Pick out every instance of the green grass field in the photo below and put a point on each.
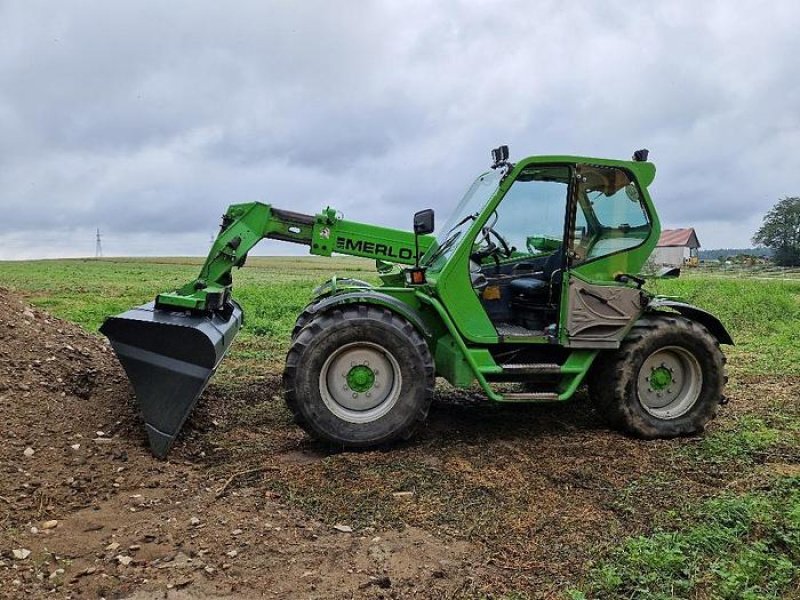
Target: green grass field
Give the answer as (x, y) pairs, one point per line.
(742, 542)
(763, 316)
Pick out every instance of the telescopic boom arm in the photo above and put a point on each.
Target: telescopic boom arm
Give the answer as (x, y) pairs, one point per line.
(244, 225)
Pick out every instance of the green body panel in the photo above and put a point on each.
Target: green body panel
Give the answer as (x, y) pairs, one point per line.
(451, 362)
(574, 371)
(446, 308)
(368, 241)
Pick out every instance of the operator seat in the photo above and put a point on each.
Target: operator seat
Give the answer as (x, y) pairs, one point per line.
(536, 286)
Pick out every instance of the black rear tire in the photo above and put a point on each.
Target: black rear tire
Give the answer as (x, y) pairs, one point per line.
(320, 354)
(620, 383)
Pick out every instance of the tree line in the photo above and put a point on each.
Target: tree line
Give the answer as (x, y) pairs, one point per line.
(780, 231)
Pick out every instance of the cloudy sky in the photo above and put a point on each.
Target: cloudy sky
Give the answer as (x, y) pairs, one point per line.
(147, 118)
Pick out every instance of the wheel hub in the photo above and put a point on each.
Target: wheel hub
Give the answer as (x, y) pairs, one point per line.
(660, 378)
(360, 378)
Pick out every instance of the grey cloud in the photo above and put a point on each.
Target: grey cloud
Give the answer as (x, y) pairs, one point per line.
(146, 119)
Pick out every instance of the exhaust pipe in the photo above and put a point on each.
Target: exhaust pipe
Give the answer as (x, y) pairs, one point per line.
(169, 358)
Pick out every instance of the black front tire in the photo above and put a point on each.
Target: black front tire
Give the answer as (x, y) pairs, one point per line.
(614, 384)
(371, 329)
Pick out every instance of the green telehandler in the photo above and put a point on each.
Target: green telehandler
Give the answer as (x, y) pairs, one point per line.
(531, 289)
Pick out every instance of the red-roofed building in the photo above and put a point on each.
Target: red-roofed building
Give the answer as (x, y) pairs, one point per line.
(676, 248)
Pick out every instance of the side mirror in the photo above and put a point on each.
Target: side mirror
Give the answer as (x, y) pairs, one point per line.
(423, 222)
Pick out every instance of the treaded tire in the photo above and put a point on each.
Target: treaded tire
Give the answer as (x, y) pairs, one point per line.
(302, 320)
(613, 384)
(320, 339)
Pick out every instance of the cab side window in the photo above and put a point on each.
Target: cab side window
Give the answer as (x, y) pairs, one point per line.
(610, 215)
(531, 215)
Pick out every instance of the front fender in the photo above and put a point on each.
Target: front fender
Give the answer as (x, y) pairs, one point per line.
(705, 318)
(370, 296)
(336, 285)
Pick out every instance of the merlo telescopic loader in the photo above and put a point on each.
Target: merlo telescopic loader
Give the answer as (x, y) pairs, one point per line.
(531, 289)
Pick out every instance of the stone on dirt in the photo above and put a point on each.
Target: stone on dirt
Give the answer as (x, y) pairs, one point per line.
(343, 528)
(21, 553)
(403, 494)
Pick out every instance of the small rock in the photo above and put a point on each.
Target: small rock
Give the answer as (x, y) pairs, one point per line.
(134, 547)
(343, 528)
(182, 583)
(34, 530)
(124, 560)
(194, 521)
(52, 524)
(236, 532)
(112, 546)
(100, 433)
(21, 553)
(75, 446)
(56, 573)
(232, 553)
(29, 452)
(403, 494)
(28, 314)
(209, 570)
(179, 561)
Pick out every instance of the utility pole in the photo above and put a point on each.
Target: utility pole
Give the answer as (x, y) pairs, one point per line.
(98, 247)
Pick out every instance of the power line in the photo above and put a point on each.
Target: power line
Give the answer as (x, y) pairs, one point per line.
(98, 248)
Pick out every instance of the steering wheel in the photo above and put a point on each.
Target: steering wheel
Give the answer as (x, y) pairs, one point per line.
(488, 248)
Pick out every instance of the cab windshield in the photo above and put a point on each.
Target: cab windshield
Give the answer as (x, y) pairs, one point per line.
(470, 207)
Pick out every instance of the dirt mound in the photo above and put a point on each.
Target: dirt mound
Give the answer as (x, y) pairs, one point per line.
(86, 511)
(62, 396)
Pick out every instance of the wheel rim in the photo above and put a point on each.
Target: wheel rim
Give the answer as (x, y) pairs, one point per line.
(669, 382)
(360, 382)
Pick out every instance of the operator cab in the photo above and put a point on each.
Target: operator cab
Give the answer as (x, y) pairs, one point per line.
(552, 217)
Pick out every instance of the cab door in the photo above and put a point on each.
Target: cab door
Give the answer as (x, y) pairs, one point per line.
(517, 254)
(610, 236)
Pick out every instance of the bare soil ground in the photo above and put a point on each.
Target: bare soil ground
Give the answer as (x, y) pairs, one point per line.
(486, 500)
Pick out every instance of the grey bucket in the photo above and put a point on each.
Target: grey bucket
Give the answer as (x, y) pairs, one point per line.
(169, 358)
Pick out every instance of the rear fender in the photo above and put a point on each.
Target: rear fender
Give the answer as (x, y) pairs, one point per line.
(371, 296)
(709, 321)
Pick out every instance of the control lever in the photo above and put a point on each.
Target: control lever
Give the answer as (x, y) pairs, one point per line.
(627, 278)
